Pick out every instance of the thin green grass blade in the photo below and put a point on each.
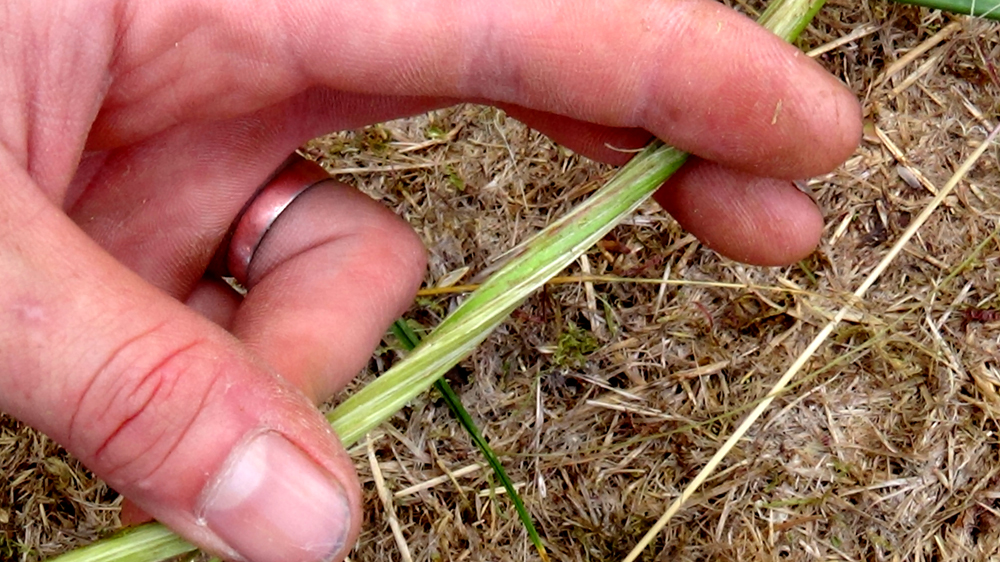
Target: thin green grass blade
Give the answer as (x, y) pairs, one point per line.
(979, 8)
(405, 334)
(409, 339)
(454, 402)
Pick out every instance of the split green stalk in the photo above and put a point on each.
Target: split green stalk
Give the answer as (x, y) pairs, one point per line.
(545, 255)
(541, 258)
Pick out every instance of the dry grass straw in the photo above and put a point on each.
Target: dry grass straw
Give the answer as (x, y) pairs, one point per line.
(810, 350)
(886, 446)
(387, 502)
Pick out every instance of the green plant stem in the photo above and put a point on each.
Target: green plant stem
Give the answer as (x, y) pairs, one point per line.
(980, 8)
(547, 253)
(789, 18)
(151, 542)
(541, 258)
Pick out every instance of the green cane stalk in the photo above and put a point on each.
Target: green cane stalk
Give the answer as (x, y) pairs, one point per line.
(541, 258)
(151, 542)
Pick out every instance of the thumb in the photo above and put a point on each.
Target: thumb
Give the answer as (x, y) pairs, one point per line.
(163, 405)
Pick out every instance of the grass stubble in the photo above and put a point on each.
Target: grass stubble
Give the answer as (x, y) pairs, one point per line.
(604, 407)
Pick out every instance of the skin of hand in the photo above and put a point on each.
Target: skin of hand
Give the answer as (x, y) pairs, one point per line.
(132, 133)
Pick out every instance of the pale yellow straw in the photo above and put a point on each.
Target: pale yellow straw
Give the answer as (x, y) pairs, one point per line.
(807, 354)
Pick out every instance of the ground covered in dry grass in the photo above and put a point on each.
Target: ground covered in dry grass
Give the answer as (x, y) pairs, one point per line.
(605, 397)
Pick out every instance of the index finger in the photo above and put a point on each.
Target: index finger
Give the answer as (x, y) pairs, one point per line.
(692, 72)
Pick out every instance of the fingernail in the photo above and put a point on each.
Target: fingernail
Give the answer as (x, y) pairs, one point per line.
(273, 503)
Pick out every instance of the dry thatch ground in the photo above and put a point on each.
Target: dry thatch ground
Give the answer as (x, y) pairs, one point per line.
(605, 398)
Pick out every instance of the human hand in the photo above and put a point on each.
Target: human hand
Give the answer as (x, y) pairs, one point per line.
(134, 132)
